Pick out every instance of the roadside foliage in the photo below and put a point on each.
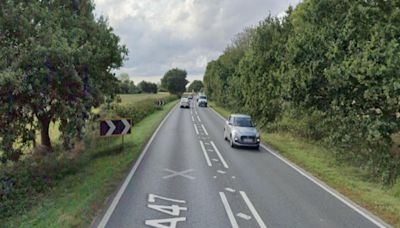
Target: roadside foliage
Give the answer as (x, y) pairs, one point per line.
(327, 71)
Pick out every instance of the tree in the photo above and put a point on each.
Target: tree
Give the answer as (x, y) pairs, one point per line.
(196, 86)
(52, 68)
(175, 81)
(148, 87)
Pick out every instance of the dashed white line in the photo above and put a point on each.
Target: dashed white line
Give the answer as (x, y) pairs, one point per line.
(243, 216)
(220, 155)
(228, 210)
(221, 172)
(198, 118)
(230, 190)
(192, 118)
(204, 129)
(205, 154)
(214, 159)
(195, 128)
(253, 210)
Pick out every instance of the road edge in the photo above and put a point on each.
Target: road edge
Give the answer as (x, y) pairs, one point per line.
(348, 202)
(112, 204)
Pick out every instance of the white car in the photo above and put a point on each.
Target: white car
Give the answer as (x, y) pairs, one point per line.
(185, 103)
(202, 101)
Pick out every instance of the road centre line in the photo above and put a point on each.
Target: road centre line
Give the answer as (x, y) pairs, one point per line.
(365, 213)
(205, 131)
(220, 156)
(199, 118)
(195, 128)
(253, 210)
(230, 190)
(192, 118)
(205, 154)
(228, 210)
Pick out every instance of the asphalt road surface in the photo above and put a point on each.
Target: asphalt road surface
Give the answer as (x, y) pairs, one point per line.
(189, 176)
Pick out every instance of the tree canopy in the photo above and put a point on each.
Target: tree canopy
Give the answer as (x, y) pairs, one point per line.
(195, 86)
(332, 65)
(148, 87)
(56, 63)
(174, 81)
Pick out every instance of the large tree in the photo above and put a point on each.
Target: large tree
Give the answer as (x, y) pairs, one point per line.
(196, 86)
(148, 87)
(56, 60)
(175, 81)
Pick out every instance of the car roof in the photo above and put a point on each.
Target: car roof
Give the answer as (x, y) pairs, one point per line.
(240, 115)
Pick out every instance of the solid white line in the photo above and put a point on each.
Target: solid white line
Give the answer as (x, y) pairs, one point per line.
(205, 131)
(199, 118)
(195, 128)
(220, 156)
(228, 210)
(366, 214)
(334, 193)
(253, 210)
(121, 191)
(205, 154)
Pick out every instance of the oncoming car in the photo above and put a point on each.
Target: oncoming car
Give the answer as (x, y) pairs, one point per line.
(240, 131)
(202, 101)
(185, 103)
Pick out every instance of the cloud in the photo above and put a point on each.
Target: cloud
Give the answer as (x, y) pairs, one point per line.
(163, 34)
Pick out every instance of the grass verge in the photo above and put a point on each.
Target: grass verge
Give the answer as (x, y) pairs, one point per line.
(75, 201)
(384, 201)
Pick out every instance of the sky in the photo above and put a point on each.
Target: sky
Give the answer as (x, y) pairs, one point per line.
(187, 34)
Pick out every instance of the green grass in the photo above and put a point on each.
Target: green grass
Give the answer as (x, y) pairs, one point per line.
(133, 98)
(74, 201)
(348, 180)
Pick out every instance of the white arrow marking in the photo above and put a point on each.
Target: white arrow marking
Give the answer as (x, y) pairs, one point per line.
(127, 126)
(111, 127)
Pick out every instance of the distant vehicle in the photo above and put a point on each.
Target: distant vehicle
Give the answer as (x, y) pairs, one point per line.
(240, 131)
(190, 97)
(185, 103)
(202, 101)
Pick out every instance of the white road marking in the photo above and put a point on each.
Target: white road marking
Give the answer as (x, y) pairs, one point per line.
(253, 210)
(159, 223)
(214, 159)
(204, 129)
(179, 174)
(220, 155)
(192, 118)
(205, 154)
(121, 191)
(243, 216)
(221, 172)
(206, 143)
(366, 214)
(152, 199)
(196, 129)
(211, 150)
(215, 177)
(230, 190)
(228, 210)
(233, 177)
(198, 118)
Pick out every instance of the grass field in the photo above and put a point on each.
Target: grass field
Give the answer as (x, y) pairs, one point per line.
(129, 98)
(350, 181)
(74, 201)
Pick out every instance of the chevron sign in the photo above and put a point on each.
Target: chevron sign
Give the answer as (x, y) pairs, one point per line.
(115, 127)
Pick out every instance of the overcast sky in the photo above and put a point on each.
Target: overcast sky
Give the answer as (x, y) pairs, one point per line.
(164, 34)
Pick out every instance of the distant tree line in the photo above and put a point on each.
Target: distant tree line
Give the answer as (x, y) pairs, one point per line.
(327, 71)
(127, 86)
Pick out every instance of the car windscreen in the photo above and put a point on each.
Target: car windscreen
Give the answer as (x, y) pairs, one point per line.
(242, 122)
(203, 97)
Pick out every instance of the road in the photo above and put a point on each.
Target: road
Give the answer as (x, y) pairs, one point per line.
(189, 176)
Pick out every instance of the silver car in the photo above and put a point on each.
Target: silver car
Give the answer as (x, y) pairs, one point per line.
(240, 131)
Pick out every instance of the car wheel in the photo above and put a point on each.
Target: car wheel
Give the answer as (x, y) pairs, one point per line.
(225, 138)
